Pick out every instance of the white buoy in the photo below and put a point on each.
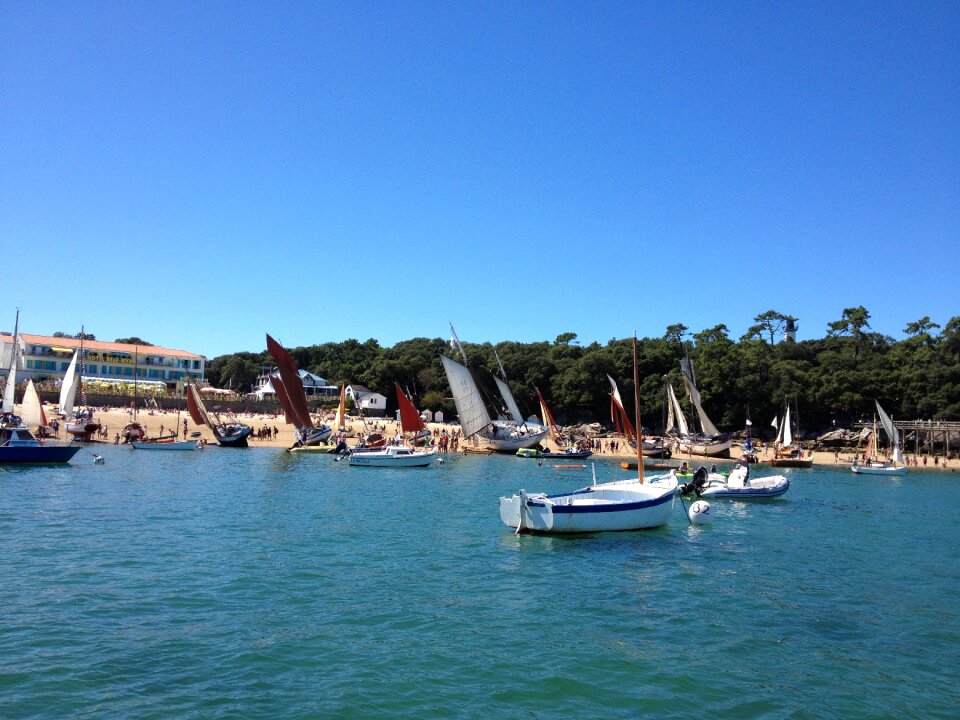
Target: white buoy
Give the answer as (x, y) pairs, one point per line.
(700, 513)
(98, 460)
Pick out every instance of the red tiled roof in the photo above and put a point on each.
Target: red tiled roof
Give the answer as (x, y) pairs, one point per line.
(74, 344)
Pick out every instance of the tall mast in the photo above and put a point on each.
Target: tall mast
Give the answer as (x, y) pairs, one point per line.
(10, 389)
(16, 330)
(82, 362)
(636, 405)
(455, 342)
(136, 367)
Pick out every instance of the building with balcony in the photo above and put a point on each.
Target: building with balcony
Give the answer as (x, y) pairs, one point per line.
(47, 358)
(314, 386)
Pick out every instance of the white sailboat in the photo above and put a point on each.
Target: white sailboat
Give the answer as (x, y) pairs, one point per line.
(676, 420)
(506, 436)
(31, 412)
(708, 441)
(896, 465)
(623, 505)
(79, 424)
(10, 389)
(68, 388)
(786, 452)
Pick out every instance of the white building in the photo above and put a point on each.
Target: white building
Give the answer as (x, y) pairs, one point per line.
(313, 385)
(47, 358)
(371, 404)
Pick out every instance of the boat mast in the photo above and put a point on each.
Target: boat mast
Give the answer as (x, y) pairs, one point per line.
(11, 387)
(636, 406)
(136, 368)
(83, 365)
(16, 330)
(455, 341)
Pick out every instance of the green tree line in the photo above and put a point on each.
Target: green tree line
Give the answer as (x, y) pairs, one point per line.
(834, 379)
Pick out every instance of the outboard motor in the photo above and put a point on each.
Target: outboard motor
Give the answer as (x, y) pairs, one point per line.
(696, 483)
(699, 479)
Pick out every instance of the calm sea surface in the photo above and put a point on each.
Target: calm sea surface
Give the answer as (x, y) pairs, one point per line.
(228, 583)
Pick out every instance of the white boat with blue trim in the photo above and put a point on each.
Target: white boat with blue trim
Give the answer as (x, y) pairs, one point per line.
(870, 465)
(635, 504)
(393, 456)
(607, 507)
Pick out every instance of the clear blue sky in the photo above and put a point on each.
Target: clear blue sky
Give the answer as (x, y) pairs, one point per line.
(198, 174)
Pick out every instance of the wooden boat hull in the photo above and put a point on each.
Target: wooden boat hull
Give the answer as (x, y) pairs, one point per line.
(792, 462)
(718, 449)
(650, 465)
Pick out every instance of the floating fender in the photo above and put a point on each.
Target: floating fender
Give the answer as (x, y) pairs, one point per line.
(700, 513)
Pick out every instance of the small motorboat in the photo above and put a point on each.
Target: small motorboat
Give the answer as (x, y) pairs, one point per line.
(738, 485)
(18, 445)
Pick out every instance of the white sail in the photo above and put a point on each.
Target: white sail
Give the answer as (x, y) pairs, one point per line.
(31, 411)
(706, 426)
(676, 420)
(616, 391)
(68, 390)
(473, 413)
(11, 386)
(786, 436)
(508, 399)
(892, 434)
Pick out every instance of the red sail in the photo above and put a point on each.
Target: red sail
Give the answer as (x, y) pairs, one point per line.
(288, 415)
(193, 406)
(548, 418)
(410, 419)
(290, 375)
(619, 416)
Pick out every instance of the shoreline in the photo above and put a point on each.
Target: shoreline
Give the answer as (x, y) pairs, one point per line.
(114, 419)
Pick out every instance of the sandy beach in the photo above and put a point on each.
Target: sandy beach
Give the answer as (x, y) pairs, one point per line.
(157, 422)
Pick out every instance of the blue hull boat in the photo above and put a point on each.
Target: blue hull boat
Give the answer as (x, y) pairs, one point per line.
(18, 446)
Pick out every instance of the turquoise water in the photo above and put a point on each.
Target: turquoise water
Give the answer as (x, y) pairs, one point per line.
(229, 583)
